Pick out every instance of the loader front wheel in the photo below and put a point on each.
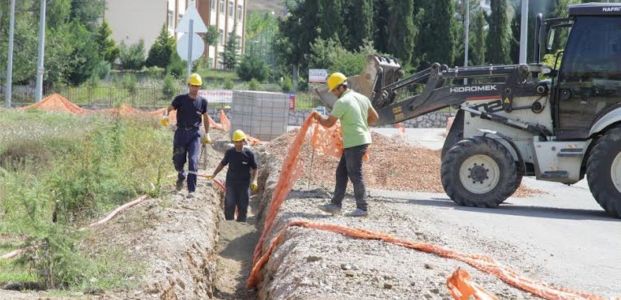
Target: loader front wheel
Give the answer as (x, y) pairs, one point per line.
(604, 172)
(479, 172)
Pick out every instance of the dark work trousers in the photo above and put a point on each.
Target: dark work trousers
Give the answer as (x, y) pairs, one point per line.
(187, 144)
(350, 166)
(237, 196)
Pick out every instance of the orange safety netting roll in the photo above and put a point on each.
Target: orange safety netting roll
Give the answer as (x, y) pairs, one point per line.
(461, 288)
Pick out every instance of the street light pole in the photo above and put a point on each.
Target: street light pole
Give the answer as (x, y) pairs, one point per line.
(41, 59)
(8, 91)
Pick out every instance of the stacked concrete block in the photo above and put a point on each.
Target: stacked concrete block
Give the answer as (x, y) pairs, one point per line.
(263, 115)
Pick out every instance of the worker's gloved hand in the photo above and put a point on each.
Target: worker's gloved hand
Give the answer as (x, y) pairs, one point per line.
(210, 177)
(206, 139)
(315, 115)
(164, 121)
(254, 186)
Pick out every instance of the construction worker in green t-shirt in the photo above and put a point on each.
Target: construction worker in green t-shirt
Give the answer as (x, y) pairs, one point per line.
(355, 112)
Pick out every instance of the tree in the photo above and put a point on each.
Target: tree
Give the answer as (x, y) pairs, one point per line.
(478, 35)
(211, 36)
(358, 22)
(84, 57)
(331, 19)
(106, 46)
(438, 32)
(230, 55)
(380, 22)
(401, 29)
(87, 12)
(253, 67)
(162, 50)
(498, 37)
(296, 33)
(132, 57)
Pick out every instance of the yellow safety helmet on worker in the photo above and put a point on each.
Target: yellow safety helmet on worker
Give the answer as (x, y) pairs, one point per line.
(195, 79)
(335, 80)
(239, 136)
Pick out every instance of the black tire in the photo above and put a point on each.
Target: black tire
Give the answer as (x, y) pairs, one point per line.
(501, 167)
(456, 133)
(600, 166)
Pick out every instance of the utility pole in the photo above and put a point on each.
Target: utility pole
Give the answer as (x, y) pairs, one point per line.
(524, 32)
(8, 91)
(41, 59)
(466, 32)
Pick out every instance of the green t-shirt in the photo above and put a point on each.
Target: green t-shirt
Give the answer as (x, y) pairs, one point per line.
(352, 109)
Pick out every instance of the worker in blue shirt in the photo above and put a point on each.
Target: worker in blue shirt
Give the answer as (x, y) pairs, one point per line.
(241, 175)
(191, 111)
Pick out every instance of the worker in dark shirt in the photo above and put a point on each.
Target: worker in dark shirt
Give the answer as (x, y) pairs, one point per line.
(241, 175)
(191, 112)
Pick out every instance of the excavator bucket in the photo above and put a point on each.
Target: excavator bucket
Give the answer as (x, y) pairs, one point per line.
(379, 72)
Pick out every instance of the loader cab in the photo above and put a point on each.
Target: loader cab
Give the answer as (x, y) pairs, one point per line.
(587, 83)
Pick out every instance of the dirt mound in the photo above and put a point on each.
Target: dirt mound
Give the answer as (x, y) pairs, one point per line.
(56, 103)
(393, 165)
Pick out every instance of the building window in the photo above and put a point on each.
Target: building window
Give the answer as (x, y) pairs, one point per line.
(213, 4)
(221, 6)
(221, 36)
(240, 12)
(231, 10)
(170, 20)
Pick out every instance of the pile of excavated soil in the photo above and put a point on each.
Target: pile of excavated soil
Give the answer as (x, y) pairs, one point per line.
(393, 165)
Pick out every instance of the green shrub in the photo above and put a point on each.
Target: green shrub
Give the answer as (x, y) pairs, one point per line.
(130, 83)
(286, 85)
(228, 84)
(169, 88)
(253, 85)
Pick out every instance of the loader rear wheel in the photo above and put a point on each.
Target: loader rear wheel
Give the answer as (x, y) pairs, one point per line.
(604, 172)
(479, 172)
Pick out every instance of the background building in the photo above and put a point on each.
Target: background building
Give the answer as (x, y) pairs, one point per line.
(134, 20)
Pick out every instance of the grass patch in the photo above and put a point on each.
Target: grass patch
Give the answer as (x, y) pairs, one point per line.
(59, 172)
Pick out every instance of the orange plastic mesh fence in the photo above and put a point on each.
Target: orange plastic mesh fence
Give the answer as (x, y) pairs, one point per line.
(224, 120)
(462, 288)
(479, 262)
(291, 171)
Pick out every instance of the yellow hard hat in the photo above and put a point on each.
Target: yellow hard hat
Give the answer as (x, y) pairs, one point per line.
(238, 135)
(195, 79)
(335, 79)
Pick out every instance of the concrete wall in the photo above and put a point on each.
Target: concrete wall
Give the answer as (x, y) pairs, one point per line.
(134, 20)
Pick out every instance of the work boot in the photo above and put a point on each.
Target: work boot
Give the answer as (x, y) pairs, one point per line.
(359, 213)
(190, 195)
(179, 184)
(331, 208)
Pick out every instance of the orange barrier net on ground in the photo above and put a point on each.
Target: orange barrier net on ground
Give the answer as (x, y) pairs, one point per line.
(462, 288)
(291, 171)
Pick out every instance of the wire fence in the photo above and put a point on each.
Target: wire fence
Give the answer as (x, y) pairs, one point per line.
(138, 97)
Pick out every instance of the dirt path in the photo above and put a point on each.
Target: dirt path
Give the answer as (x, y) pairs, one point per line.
(235, 247)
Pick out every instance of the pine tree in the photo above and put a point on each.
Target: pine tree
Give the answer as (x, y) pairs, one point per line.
(401, 29)
(230, 55)
(498, 38)
(438, 33)
(331, 19)
(105, 44)
(380, 22)
(358, 23)
(478, 35)
(162, 50)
